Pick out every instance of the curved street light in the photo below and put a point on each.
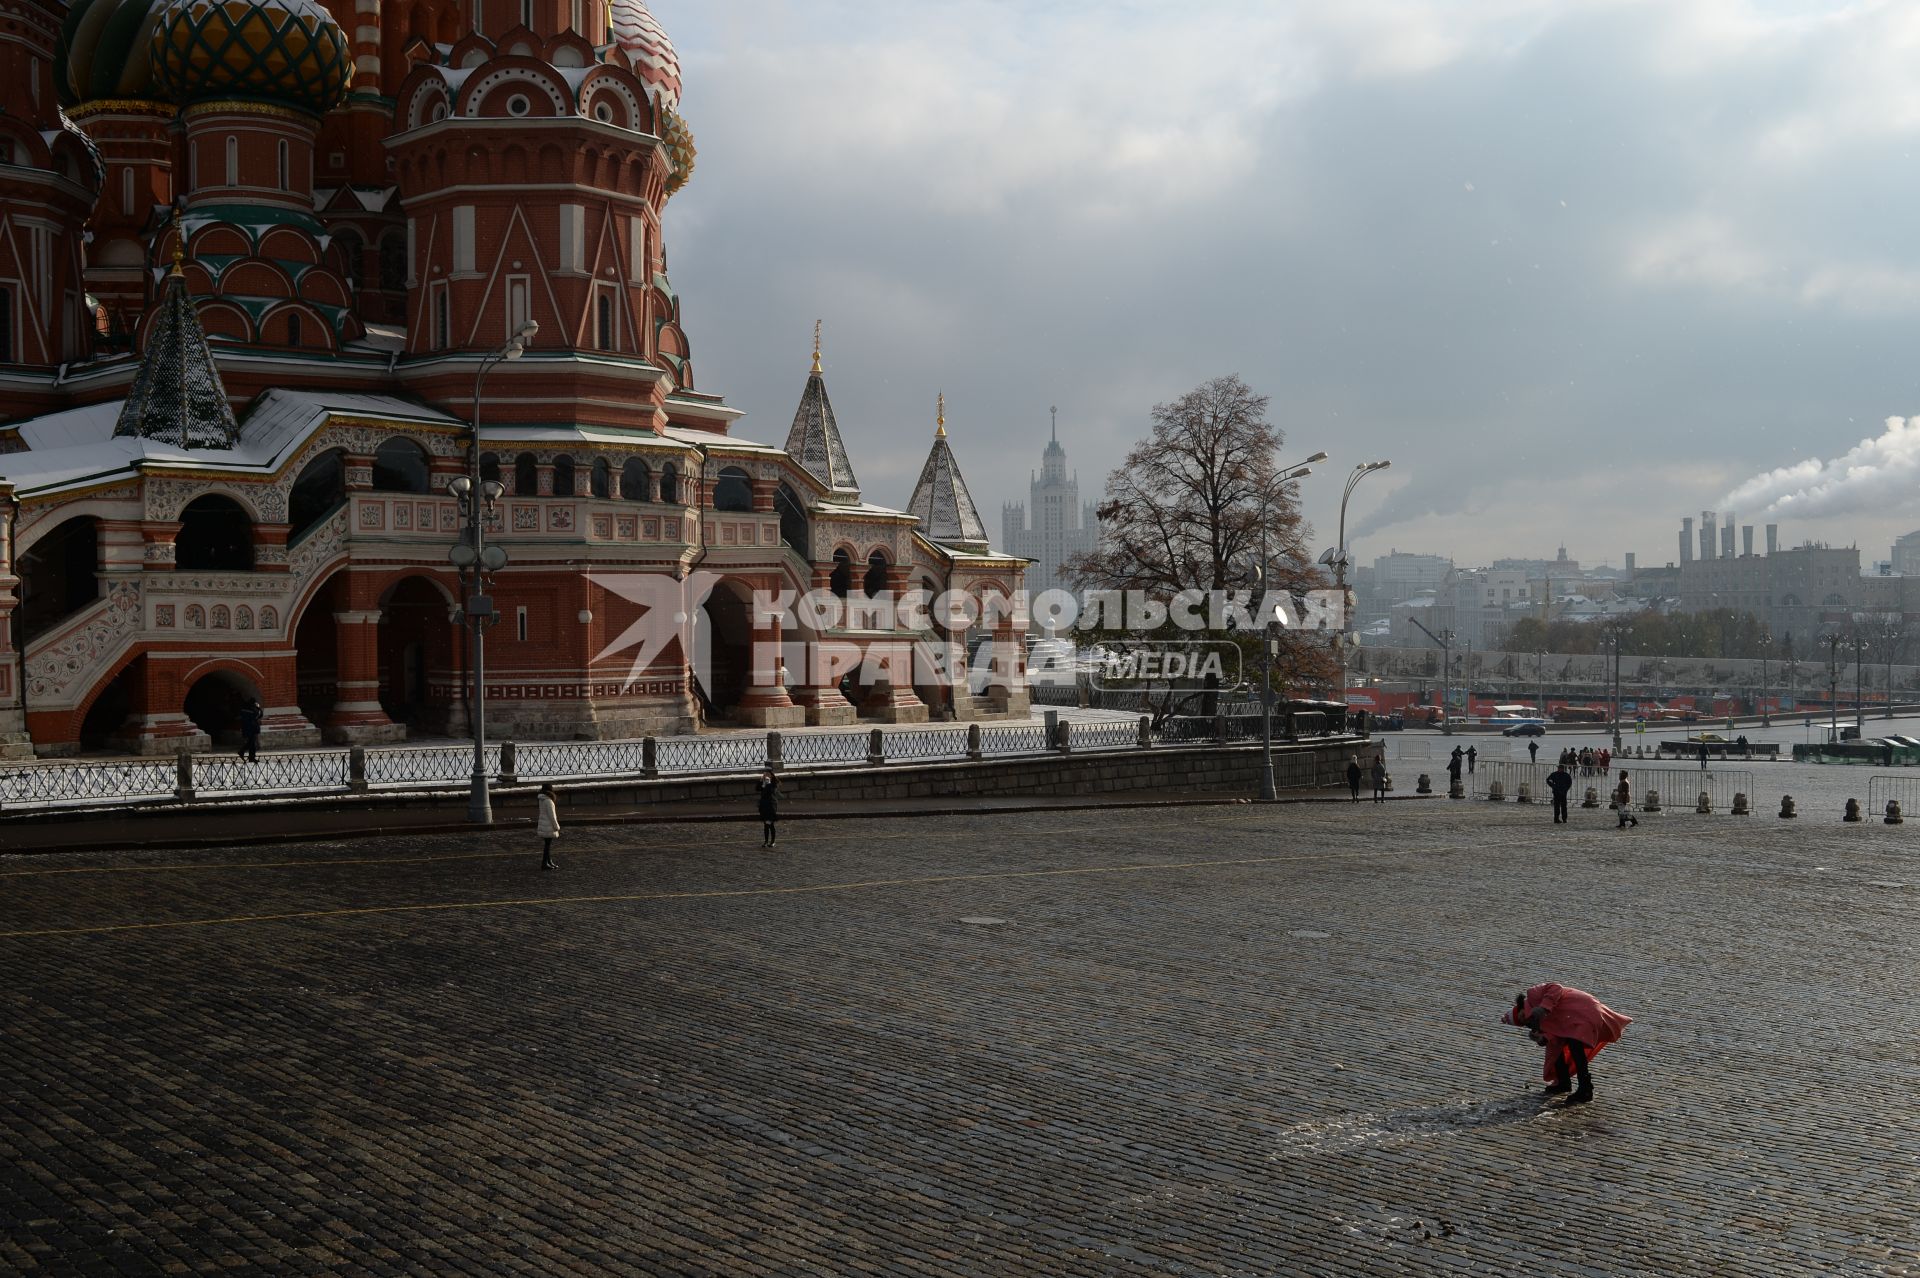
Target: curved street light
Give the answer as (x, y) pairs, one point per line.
(1338, 558)
(477, 562)
(1269, 637)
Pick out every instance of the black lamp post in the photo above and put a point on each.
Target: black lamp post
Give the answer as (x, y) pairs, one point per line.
(1269, 641)
(477, 562)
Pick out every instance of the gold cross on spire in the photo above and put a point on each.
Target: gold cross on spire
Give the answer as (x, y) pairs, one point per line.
(940, 417)
(816, 346)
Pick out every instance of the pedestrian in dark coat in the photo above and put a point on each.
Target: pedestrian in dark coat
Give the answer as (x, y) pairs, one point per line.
(1353, 777)
(1473, 757)
(1533, 752)
(1560, 785)
(250, 716)
(1379, 778)
(769, 808)
(1623, 803)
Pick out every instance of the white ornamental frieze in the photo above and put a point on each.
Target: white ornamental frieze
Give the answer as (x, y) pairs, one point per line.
(77, 658)
(319, 546)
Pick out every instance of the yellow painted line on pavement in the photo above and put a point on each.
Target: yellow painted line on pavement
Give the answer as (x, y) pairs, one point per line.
(710, 894)
(530, 850)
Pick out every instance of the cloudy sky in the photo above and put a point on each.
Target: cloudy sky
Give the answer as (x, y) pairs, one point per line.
(1578, 267)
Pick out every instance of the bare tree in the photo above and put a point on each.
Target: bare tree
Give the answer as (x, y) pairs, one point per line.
(1203, 503)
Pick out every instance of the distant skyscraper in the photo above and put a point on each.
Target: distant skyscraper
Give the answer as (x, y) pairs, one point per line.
(1061, 526)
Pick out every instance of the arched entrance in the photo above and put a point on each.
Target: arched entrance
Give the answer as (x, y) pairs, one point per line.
(416, 648)
(59, 575)
(723, 650)
(102, 728)
(316, 652)
(214, 703)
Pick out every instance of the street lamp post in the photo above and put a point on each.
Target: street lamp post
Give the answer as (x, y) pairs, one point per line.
(477, 563)
(1766, 642)
(1269, 640)
(1338, 558)
(1859, 660)
(1833, 688)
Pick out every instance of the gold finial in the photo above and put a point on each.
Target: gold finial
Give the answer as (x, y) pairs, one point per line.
(940, 417)
(179, 243)
(816, 346)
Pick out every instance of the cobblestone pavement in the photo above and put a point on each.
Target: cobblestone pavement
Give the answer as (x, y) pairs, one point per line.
(1222, 1041)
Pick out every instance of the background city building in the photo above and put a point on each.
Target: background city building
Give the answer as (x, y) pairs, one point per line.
(1054, 525)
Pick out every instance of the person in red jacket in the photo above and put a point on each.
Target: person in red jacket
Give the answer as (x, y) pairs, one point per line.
(1572, 1025)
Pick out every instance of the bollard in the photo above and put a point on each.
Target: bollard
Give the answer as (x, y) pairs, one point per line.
(1893, 812)
(1220, 728)
(877, 745)
(1454, 789)
(1592, 800)
(1740, 804)
(649, 758)
(1050, 722)
(1526, 793)
(1853, 811)
(1387, 783)
(1705, 806)
(1653, 802)
(973, 741)
(775, 762)
(1424, 785)
(1146, 733)
(1786, 808)
(183, 776)
(509, 764)
(357, 769)
(1495, 791)
(1063, 738)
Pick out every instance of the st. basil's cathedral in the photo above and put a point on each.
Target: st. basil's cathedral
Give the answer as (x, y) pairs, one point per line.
(255, 256)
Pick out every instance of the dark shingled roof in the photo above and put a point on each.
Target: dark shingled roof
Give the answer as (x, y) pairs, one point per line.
(814, 442)
(177, 396)
(941, 501)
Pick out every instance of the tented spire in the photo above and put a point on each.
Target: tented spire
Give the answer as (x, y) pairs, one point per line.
(177, 396)
(814, 441)
(941, 501)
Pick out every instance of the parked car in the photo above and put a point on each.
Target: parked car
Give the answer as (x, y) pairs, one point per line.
(1525, 730)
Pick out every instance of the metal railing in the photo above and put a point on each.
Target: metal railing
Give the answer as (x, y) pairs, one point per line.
(1904, 790)
(224, 777)
(1679, 789)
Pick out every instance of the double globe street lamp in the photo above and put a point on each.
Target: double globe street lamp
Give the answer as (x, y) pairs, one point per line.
(477, 562)
(1339, 559)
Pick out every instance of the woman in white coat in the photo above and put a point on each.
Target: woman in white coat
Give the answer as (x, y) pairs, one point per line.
(546, 824)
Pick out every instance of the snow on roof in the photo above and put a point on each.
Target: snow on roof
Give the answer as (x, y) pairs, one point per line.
(77, 446)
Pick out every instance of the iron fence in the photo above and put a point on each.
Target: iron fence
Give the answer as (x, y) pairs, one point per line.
(1027, 739)
(1678, 789)
(824, 747)
(548, 761)
(427, 765)
(924, 743)
(712, 754)
(1412, 748)
(87, 783)
(1903, 790)
(281, 772)
(1106, 736)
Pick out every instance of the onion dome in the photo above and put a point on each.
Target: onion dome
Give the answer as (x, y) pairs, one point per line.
(286, 51)
(640, 35)
(103, 52)
(679, 139)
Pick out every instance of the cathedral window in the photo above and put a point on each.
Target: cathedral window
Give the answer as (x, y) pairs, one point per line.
(233, 160)
(293, 328)
(733, 491)
(841, 582)
(526, 476)
(400, 466)
(669, 484)
(526, 13)
(635, 480)
(285, 162)
(600, 479)
(59, 575)
(563, 476)
(489, 468)
(603, 309)
(875, 582)
(126, 189)
(6, 326)
(215, 536)
(393, 262)
(317, 493)
(442, 318)
(793, 518)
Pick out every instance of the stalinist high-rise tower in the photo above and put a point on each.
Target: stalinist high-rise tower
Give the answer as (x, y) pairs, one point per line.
(1061, 527)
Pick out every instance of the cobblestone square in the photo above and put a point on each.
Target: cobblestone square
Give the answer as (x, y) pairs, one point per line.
(1233, 1040)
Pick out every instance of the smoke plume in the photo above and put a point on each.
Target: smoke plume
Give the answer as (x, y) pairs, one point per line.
(1872, 475)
